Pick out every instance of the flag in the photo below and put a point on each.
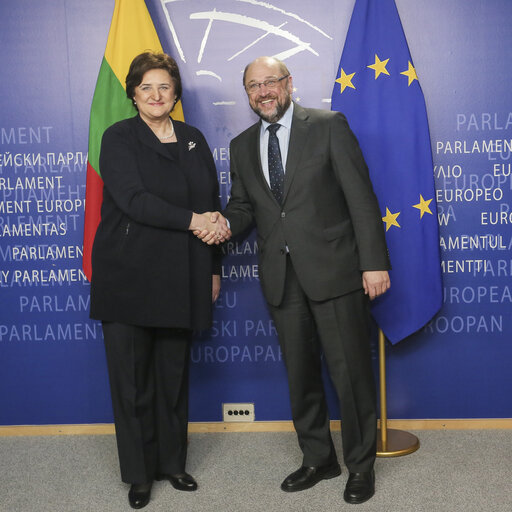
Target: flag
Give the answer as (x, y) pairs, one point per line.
(377, 89)
(131, 32)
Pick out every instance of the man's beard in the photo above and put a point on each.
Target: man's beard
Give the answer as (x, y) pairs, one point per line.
(278, 112)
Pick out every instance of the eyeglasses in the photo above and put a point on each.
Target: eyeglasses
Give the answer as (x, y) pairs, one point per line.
(271, 83)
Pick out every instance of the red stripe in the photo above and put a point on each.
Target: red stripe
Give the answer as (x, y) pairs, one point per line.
(93, 199)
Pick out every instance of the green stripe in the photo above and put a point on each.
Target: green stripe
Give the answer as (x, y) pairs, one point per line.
(109, 105)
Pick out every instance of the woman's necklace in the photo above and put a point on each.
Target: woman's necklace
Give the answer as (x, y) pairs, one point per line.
(168, 136)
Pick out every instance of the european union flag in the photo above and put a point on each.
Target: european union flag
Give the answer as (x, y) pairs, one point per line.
(378, 91)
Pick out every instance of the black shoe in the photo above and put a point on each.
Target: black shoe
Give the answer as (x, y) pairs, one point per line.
(139, 495)
(360, 487)
(306, 477)
(183, 482)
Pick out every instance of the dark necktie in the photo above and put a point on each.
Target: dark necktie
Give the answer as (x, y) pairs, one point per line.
(275, 164)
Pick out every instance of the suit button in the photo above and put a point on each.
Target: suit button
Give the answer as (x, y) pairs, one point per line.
(283, 215)
(282, 251)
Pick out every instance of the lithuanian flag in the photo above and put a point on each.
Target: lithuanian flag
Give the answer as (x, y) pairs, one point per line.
(131, 33)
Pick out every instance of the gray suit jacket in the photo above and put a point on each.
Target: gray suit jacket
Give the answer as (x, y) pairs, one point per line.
(330, 219)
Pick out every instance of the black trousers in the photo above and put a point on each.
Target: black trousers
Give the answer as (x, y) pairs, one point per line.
(148, 371)
(340, 328)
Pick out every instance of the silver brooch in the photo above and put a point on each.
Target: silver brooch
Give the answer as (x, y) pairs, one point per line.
(191, 145)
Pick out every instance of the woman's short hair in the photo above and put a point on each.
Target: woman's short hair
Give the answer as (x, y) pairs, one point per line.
(147, 61)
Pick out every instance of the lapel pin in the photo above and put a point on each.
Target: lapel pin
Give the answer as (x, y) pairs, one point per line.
(191, 145)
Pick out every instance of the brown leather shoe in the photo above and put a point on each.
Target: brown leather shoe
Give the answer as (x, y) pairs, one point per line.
(308, 476)
(360, 487)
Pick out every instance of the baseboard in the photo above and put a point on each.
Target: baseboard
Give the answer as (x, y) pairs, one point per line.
(257, 426)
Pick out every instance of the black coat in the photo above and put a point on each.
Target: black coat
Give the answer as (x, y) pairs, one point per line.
(147, 268)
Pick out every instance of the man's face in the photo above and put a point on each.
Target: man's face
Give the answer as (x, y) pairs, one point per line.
(270, 103)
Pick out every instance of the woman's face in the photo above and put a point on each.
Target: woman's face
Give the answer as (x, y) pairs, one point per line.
(155, 96)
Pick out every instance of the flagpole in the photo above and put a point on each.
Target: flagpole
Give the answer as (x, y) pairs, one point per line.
(391, 442)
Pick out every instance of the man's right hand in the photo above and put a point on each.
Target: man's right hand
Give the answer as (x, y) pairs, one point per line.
(210, 227)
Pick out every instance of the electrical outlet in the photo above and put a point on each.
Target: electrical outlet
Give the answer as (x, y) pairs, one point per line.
(238, 412)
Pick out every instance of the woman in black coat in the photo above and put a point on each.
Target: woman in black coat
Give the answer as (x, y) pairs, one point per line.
(153, 282)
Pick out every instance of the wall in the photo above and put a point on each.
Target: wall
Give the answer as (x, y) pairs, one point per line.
(52, 356)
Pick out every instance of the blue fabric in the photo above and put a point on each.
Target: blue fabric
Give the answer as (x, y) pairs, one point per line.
(275, 164)
(386, 110)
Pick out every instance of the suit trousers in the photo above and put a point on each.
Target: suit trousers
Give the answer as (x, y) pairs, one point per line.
(148, 372)
(339, 328)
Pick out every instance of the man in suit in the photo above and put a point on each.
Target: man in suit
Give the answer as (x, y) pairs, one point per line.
(299, 175)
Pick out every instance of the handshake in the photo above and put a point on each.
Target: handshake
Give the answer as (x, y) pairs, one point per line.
(210, 227)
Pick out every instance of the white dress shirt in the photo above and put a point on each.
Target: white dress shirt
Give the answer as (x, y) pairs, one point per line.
(283, 135)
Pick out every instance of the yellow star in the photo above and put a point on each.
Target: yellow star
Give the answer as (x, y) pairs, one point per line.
(345, 80)
(423, 206)
(410, 74)
(379, 66)
(390, 219)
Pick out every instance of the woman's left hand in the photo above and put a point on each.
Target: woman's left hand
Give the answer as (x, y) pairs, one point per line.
(215, 287)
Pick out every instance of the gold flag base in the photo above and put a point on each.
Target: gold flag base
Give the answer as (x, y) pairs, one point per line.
(398, 443)
(390, 442)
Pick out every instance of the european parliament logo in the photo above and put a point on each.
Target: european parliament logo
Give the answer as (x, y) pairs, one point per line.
(231, 34)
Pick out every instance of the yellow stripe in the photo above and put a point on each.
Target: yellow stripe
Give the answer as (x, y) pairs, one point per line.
(177, 112)
(131, 33)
